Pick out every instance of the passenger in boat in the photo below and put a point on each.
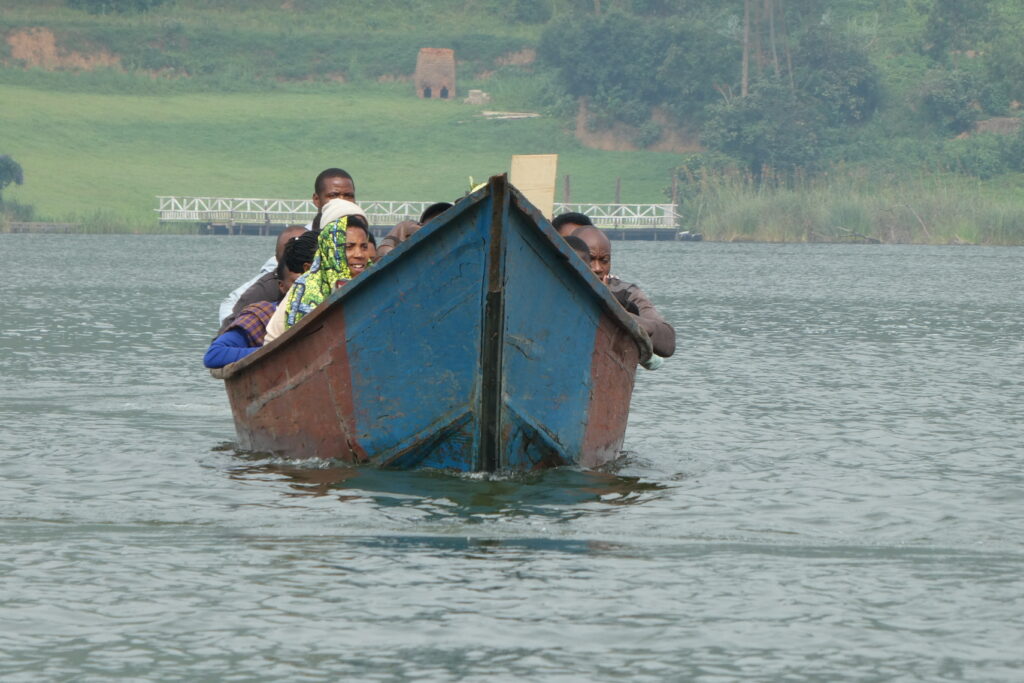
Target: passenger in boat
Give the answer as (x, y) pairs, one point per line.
(407, 229)
(267, 287)
(331, 183)
(245, 331)
(632, 298)
(243, 336)
(344, 251)
(296, 259)
(567, 223)
(266, 281)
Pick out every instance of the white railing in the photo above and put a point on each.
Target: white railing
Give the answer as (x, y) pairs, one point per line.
(624, 215)
(250, 211)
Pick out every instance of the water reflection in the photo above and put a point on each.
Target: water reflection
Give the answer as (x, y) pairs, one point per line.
(563, 493)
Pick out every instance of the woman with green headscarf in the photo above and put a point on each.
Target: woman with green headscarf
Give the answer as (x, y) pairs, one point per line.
(330, 267)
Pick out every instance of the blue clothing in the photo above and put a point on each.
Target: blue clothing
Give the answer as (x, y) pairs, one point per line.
(227, 348)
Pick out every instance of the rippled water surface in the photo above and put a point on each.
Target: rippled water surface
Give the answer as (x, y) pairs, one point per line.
(824, 484)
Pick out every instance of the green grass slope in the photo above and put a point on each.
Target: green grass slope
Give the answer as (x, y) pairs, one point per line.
(103, 158)
(254, 97)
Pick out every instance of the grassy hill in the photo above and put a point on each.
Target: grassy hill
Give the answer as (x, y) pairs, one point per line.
(252, 97)
(249, 99)
(102, 158)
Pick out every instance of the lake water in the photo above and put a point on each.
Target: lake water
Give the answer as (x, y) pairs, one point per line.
(824, 484)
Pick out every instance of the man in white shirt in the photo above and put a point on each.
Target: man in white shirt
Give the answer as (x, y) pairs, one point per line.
(331, 183)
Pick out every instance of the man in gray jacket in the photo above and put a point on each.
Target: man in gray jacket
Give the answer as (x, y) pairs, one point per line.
(632, 298)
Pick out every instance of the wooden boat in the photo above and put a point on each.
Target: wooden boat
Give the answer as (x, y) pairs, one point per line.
(482, 343)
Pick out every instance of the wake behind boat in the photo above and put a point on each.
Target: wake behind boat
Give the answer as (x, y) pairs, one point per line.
(482, 343)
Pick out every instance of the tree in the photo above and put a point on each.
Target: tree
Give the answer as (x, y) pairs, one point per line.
(839, 75)
(626, 64)
(1004, 64)
(950, 99)
(114, 6)
(956, 25)
(771, 128)
(10, 172)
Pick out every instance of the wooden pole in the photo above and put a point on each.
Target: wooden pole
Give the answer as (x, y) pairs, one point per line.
(565, 190)
(745, 80)
(757, 23)
(618, 190)
(785, 42)
(675, 193)
(769, 8)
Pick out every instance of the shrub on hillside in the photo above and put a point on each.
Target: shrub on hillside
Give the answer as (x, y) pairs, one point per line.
(527, 11)
(773, 127)
(627, 64)
(10, 173)
(16, 211)
(1004, 64)
(982, 156)
(838, 73)
(951, 99)
(114, 6)
(956, 25)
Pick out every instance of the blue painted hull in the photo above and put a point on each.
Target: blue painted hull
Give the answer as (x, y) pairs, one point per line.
(483, 343)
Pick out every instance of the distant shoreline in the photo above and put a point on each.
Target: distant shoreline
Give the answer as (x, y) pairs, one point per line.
(50, 228)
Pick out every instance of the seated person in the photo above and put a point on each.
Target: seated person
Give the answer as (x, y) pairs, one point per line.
(244, 333)
(243, 336)
(632, 298)
(257, 288)
(407, 229)
(343, 252)
(331, 183)
(567, 223)
(268, 287)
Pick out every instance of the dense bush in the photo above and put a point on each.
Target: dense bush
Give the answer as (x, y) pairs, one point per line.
(10, 173)
(956, 25)
(1004, 63)
(527, 11)
(982, 156)
(114, 6)
(626, 64)
(951, 99)
(771, 127)
(839, 75)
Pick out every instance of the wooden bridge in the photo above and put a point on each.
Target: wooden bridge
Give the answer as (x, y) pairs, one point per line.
(268, 216)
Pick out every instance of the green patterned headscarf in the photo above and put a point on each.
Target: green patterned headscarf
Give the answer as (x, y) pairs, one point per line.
(317, 283)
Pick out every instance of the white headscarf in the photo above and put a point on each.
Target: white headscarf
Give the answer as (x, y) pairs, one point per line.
(336, 208)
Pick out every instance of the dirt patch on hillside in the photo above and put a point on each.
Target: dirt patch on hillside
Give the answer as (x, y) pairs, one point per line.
(520, 58)
(1000, 125)
(37, 47)
(621, 137)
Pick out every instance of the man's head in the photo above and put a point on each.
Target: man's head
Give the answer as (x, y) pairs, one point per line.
(282, 239)
(567, 223)
(580, 247)
(600, 248)
(434, 210)
(333, 183)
